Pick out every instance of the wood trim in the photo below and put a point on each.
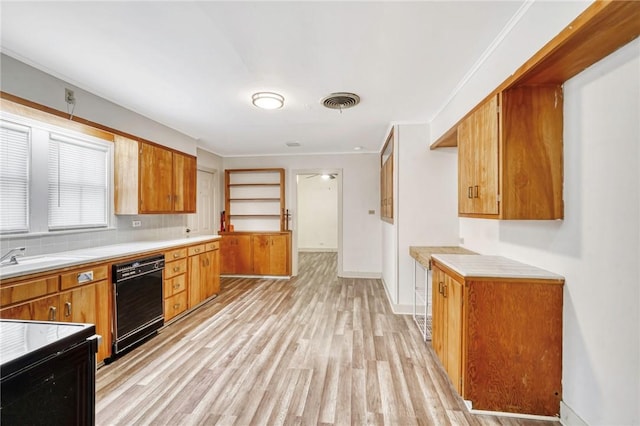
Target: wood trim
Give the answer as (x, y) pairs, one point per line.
(604, 27)
(26, 108)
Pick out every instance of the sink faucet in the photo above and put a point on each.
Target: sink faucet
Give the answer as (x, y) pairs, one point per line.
(13, 254)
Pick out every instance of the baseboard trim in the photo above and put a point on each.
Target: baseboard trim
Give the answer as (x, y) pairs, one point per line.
(365, 275)
(266, 277)
(568, 417)
(318, 250)
(469, 406)
(402, 309)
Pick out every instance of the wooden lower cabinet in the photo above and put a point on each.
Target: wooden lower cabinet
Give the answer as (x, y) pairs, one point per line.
(500, 340)
(86, 304)
(271, 254)
(204, 272)
(175, 282)
(84, 299)
(256, 253)
(236, 255)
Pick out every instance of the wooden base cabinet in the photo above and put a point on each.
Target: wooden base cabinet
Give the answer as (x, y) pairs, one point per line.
(175, 282)
(204, 272)
(500, 340)
(256, 253)
(80, 295)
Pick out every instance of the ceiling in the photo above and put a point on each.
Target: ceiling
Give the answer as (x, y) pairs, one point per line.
(193, 66)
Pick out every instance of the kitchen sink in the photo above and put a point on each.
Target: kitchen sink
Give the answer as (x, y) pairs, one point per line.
(45, 259)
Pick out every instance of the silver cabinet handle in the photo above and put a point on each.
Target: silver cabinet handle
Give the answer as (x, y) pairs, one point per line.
(67, 309)
(52, 313)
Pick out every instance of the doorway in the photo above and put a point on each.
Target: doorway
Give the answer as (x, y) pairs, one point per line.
(317, 217)
(203, 222)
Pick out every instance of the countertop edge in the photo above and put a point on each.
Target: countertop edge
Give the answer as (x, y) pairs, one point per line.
(529, 272)
(140, 248)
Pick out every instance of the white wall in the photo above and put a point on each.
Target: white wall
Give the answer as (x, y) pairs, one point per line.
(361, 241)
(427, 201)
(27, 82)
(425, 208)
(317, 213)
(597, 246)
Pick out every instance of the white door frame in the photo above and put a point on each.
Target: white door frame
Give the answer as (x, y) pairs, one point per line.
(294, 217)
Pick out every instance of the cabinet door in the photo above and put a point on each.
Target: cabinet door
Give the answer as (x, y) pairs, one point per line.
(478, 161)
(195, 280)
(453, 330)
(485, 135)
(279, 255)
(437, 315)
(214, 286)
(89, 304)
(44, 309)
(466, 166)
(235, 254)
(261, 245)
(156, 179)
(184, 183)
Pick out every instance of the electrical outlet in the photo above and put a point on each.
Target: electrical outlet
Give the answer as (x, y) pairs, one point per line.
(136, 223)
(372, 212)
(69, 96)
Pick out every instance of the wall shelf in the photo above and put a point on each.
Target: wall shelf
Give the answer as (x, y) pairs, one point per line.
(254, 199)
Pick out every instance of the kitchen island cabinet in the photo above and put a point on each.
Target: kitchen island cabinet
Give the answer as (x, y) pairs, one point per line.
(497, 330)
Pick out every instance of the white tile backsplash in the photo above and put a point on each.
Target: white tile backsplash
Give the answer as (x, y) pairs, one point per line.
(153, 228)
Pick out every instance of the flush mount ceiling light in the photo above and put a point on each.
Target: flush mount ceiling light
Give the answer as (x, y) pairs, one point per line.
(267, 100)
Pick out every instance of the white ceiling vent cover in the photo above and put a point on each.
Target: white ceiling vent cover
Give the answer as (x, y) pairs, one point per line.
(341, 100)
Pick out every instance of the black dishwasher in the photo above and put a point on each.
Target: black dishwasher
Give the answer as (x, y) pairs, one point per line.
(48, 373)
(139, 303)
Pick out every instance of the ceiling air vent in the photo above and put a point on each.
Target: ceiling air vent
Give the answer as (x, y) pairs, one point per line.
(341, 100)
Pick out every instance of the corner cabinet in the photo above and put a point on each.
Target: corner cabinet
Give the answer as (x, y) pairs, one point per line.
(152, 179)
(510, 162)
(499, 338)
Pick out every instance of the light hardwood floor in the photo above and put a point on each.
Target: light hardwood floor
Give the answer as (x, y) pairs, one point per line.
(313, 350)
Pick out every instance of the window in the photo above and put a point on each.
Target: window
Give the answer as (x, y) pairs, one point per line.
(77, 183)
(51, 178)
(14, 177)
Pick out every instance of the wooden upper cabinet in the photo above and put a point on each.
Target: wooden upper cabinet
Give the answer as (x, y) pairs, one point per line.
(478, 161)
(386, 179)
(156, 179)
(510, 156)
(152, 179)
(184, 183)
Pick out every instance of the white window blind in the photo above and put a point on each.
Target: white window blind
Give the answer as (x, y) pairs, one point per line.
(14, 177)
(78, 189)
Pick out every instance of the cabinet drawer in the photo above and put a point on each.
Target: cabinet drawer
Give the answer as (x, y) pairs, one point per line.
(175, 305)
(175, 285)
(196, 249)
(215, 245)
(29, 290)
(175, 254)
(83, 276)
(172, 269)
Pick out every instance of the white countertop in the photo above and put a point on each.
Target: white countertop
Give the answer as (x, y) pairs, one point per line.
(51, 261)
(492, 266)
